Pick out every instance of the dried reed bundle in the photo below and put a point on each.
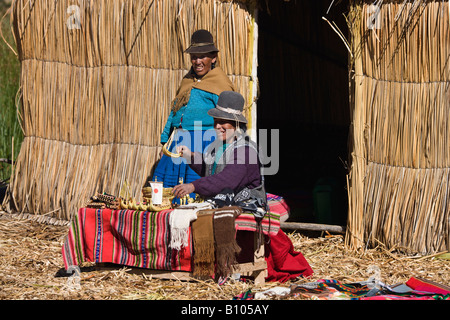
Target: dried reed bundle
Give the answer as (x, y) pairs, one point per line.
(399, 182)
(97, 81)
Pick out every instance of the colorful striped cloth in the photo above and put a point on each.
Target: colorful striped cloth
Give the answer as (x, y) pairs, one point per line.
(126, 237)
(413, 289)
(278, 205)
(270, 225)
(141, 239)
(278, 211)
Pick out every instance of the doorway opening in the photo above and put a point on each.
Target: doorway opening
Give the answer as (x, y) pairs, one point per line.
(304, 92)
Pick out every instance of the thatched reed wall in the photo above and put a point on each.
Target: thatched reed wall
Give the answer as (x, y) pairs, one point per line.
(97, 78)
(399, 182)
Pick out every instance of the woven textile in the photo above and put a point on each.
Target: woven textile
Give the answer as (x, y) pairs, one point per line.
(278, 205)
(325, 289)
(125, 237)
(225, 239)
(203, 238)
(141, 239)
(180, 221)
(270, 225)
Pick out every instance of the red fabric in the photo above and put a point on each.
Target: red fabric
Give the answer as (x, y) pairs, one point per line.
(283, 263)
(125, 237)
(419, 284)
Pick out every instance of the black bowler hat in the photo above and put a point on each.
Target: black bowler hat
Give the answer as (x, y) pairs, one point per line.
(229, 106)
(201, 42)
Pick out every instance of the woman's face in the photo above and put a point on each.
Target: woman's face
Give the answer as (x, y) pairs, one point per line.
(224, 129)
(202, 62)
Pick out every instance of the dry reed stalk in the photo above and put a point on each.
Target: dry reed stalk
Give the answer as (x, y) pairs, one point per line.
(97, 81)
(401, 131)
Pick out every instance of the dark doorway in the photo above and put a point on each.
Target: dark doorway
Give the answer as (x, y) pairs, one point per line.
(303, 82)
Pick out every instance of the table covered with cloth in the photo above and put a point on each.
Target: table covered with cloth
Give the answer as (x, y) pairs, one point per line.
(140, 238)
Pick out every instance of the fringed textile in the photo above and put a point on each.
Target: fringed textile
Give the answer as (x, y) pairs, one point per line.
(203, 240)
(180, 221)
(226, 246)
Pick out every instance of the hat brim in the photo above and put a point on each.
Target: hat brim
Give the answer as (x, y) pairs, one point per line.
(201, 49)
(215, 113)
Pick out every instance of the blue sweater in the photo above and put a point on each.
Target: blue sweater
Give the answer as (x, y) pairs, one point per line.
(195, 110)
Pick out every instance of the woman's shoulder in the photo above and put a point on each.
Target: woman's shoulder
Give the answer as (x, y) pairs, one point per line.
(244, 140)
(247, 149)
(202, 92)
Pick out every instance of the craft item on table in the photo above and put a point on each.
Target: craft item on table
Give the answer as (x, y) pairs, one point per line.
(225, 239)
(95, 205)
(166, 202)
(123, 204)
(131, 204)
(147, 193)
(157, 192)
(180, 221)
(103, 201)
(186, 199)
(203, 240)
(168, 144)
(165, 205)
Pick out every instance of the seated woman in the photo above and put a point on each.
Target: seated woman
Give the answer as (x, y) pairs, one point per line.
(231, 161)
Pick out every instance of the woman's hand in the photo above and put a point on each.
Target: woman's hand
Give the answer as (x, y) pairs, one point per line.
(184, 151)
(182, 190)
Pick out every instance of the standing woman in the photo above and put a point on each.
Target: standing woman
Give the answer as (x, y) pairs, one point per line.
(198, 93)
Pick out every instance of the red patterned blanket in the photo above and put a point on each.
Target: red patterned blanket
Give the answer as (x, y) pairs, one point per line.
(125, 237)
(140, 239)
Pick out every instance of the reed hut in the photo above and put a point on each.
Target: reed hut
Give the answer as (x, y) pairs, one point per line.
(400, 102)
(97, 78)
(358, 89)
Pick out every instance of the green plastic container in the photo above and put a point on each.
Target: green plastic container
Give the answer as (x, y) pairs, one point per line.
(326, 201)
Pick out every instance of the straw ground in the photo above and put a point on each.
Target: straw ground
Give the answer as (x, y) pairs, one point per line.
(30, 256)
